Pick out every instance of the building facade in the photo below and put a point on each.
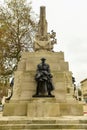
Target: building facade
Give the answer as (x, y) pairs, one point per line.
(84, 89)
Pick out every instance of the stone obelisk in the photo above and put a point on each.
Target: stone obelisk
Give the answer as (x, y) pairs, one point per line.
(42, 25)
(22, 102)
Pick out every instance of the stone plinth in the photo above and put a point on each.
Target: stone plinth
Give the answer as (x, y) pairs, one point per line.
(43, 107)
(22, 102)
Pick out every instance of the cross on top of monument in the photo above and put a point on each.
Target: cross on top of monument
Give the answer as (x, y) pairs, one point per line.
(43, 39)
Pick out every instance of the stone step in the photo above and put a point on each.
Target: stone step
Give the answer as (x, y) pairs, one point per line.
(42, 126)
(61, 123)
(30, 121)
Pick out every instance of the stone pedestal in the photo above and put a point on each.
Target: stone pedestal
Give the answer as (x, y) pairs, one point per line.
(22, 102)
(39, 107)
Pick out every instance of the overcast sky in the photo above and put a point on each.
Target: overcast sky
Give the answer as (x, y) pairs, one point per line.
(68, 18)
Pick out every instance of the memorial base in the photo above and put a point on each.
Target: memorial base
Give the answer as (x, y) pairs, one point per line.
(42, 107)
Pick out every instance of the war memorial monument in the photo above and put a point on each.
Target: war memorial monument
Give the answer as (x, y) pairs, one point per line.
(40, 99)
